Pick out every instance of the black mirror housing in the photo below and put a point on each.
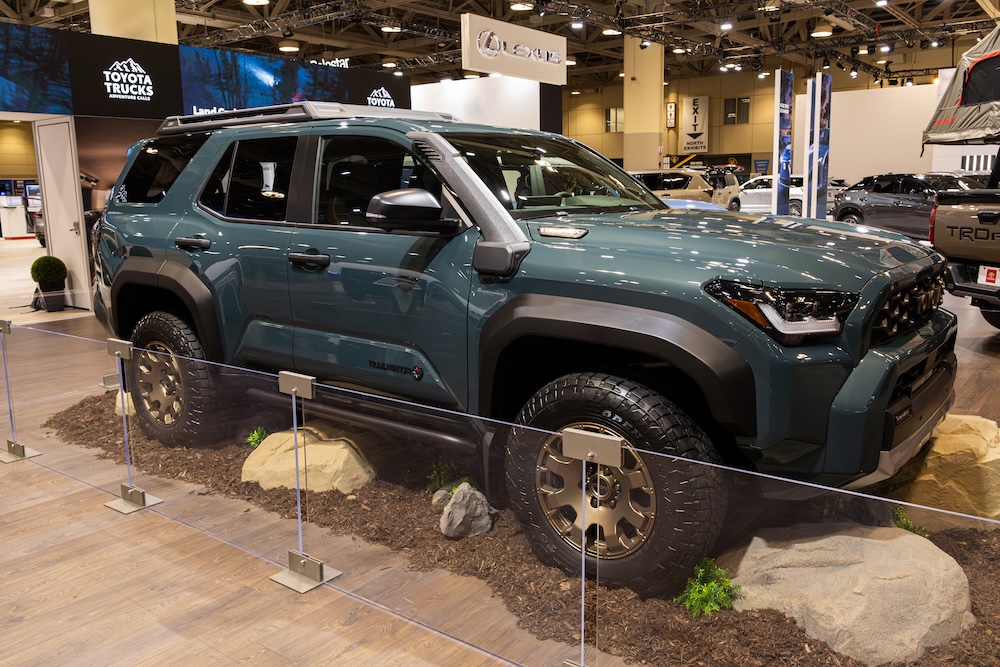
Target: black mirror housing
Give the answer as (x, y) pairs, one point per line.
(408, 209)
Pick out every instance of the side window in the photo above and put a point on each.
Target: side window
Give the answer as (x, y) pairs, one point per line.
(883, 184)
(911, 186)
(252, 179)
(352, 170)
(864, 184)
(156, 167)
(675, 182)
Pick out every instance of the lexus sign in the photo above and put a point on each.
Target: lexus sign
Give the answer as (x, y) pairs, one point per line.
(495, 46)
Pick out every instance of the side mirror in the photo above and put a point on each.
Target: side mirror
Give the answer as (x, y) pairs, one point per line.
(409, 209)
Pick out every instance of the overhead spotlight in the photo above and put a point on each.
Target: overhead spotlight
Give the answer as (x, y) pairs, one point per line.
(881, 3)
(855, 51)
(822, 29)
(876, 80)
(887, 47)
(621, 75)
(723, 67)
(826, 63)
(574, 92)
(925, 43)
(854, 72)
(576, 24)
(571, 60)
(738, 67)
(909, 81)
(726, 26)
(288, 46)
(761, 75)
(286, 33)
(644, 44)
(521, 6)
(731, 65)
(611, 32)
(391, 28)
(841, 66)
(256, 3)
(388, 63)
(397, 73)
(979, 37)
(863, 50)
(678, 50)
(935, 43)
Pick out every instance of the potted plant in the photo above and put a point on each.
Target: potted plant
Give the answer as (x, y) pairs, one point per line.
(50, 274)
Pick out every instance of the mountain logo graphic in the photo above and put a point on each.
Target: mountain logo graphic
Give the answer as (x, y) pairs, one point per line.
(381, 98)
(127, 80)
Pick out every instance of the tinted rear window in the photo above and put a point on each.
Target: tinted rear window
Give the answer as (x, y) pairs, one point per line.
(156, 167)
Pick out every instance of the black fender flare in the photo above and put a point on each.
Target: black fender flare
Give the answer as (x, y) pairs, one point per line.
(183, 283)
(721, 373)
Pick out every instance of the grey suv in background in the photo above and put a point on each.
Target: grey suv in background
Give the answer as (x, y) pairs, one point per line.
(901, 202)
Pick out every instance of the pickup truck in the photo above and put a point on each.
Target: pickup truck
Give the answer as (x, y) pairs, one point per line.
(965, 228)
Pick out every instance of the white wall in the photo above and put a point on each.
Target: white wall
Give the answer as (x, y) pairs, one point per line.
(502, 100)
(874, 131)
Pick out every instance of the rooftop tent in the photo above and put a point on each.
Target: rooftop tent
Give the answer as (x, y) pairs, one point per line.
(969, 110)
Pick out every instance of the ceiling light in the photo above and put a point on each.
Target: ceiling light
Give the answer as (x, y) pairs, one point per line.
(256, 3)
(571, 60)
(738, 67)
(881, 61)
(389, 64)
(288, 46)
(826, 63)
(644, 44)
(576, 24)
(925, 43)
(854, 72)
(522, 6)
(935, 43)
(574, 92)
(909, 81)
(611, 32)
(725, 26)
(886, 48)
(822, 29)
(730, 65)
(979, 37)
(678, 50)
(397, 73)
(761, 75)
(876, 80)
(287, 33)
(863, 50)
(621, 75)
(723, 68)
(391, 28)
(881, 3)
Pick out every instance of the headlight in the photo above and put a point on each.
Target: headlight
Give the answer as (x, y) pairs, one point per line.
(788, 316)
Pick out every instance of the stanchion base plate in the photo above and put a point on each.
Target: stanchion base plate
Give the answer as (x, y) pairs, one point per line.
(17, 452)
(125, 507)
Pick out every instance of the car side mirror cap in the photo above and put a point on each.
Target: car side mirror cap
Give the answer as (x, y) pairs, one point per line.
(408, 209)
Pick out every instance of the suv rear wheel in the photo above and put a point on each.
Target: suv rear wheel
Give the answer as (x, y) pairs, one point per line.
(734, 204)
(646, 523)
(173, 392)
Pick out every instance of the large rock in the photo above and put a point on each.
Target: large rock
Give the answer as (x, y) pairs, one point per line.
(129, 406)
(467, 513)
(332, 462)
(960, 472)
(875, 594)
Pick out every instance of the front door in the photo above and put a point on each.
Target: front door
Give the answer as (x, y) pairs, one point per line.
(376, 310)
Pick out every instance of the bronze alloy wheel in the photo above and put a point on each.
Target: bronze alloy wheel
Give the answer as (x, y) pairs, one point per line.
(616, 515)
(160, 383)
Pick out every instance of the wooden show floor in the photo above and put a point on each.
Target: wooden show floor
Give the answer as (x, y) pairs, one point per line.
(186, 582)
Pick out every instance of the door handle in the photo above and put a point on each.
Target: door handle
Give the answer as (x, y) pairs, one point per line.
(192, 244)
(309, 260)
(988, 217)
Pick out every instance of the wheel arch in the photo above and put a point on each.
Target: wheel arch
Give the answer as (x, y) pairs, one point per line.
(845, 210)
(663, 345)
(143, 281)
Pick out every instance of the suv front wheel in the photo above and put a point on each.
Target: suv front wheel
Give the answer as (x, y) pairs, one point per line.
(646, 523)
(175, 398)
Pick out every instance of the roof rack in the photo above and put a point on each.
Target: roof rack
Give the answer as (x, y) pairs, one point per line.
(291, 113)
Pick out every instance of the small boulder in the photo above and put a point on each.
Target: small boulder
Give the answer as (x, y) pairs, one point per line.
(327, 462)
(129, 406)
(875, 594)
(467, 513)
(440, 498)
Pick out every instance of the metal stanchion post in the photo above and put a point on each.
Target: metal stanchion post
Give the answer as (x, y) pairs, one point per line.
(15, 450)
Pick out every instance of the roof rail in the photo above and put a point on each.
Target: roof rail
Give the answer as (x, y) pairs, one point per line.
(291, 113)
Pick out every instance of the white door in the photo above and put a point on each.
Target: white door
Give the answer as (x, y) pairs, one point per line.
(62, 203)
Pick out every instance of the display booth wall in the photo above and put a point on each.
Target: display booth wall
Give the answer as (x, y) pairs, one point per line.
(505, 101)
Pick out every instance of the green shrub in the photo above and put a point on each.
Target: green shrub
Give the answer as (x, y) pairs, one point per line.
(902, 521)
(709, 590)
(256, 437)
(441, 474)
(48, 269)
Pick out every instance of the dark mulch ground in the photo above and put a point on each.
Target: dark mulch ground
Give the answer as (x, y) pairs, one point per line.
(396, 513)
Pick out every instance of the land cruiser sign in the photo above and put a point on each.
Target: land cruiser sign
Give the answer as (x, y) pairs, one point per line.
(495, 46)
(694, 124)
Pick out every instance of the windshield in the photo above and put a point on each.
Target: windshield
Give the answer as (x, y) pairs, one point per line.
(532, 175)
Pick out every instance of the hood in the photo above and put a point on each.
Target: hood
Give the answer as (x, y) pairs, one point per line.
(699, 246)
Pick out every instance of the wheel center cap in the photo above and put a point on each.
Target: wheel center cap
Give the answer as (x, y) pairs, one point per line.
(602, 487)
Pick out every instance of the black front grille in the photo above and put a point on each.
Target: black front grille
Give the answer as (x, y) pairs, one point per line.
(908, 307)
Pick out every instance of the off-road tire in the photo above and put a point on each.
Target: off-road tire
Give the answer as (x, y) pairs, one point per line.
(686, 507)
(795, 208)
(175, 394)
(734, 205)
(992, 316)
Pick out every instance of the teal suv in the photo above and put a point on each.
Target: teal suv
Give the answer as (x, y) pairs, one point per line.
(519, 276)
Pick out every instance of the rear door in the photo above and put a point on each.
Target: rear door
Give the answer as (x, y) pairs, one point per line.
(912, 208)
(756, 195)
(381, 311)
